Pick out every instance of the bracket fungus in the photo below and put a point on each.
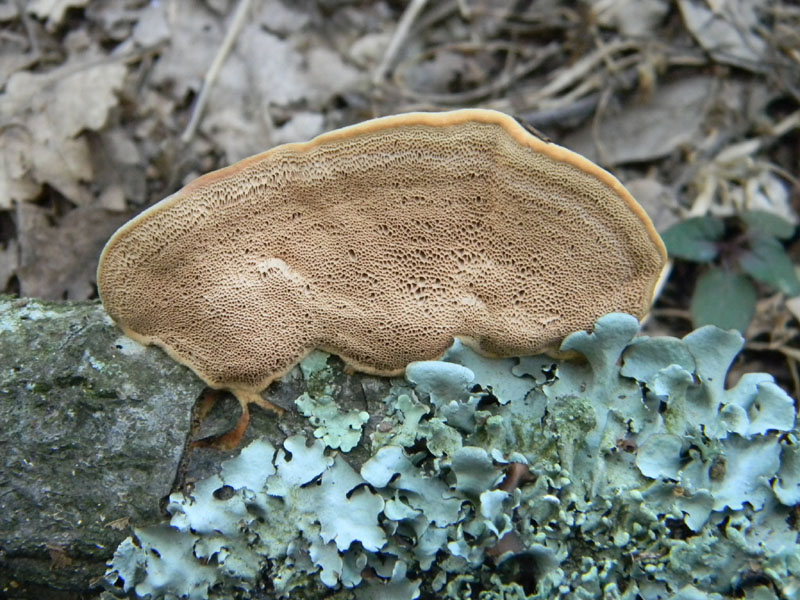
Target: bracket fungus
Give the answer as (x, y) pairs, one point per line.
(381, 242)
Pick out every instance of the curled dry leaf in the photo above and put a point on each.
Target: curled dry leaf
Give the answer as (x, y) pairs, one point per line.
(642, 132)
(53, 10)
(635, 18)
(728, 31)
(51, 111)
(59, 261)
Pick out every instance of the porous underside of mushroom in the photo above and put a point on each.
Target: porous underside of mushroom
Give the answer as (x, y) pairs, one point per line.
(380, 243)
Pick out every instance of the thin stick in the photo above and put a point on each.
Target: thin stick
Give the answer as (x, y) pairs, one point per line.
(412, 10)
(504, 80)
(213, 71)
(568, 77)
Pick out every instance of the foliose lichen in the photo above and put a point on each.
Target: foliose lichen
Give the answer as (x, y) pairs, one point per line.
(635, 473)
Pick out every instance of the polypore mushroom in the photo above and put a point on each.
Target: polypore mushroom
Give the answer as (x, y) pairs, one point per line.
(381, 242)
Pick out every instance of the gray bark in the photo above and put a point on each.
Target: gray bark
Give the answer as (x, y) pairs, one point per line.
(96, 432)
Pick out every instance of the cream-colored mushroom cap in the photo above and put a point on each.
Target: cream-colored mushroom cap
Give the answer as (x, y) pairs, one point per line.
(381, 242)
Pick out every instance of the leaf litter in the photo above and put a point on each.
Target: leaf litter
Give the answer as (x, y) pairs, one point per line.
(105, 108)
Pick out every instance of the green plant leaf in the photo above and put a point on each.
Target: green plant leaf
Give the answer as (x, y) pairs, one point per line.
(723, 298)
(767, 262)
(768, 223)
(694, 239)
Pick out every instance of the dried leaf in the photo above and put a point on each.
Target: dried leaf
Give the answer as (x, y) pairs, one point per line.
(728, 33)
(62, 95)
(63, 163)
(277, 17)
(194, 36)
(53, 10)
(279, 80)
(16, 182)
(302, 126)
(152, 27)
(59, 261)
(658, 200)
(329, 74)
(642, 132)
(52, 109)
(8, 11)
(633, 18)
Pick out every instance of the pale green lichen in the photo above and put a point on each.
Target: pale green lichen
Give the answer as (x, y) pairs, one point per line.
(646, 478)
(402, 426)
(337, 429)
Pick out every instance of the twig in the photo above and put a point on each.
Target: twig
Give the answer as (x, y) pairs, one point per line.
(787, 351)
(568, 77)
(557, 115)
(438, 11)
(33, 41)
(791, 355)
(213, 71)
(786, 125)
(412, 10)
(506, 79)
(675, 313)
(598, 81)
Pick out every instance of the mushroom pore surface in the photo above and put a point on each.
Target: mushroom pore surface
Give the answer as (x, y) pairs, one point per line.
(380, 243)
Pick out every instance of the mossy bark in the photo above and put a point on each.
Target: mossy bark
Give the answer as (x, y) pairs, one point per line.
(97, 431)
